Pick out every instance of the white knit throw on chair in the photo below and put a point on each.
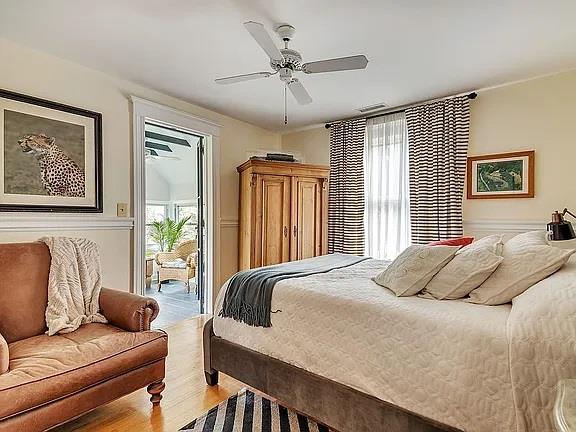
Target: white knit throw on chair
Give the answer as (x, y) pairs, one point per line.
(73, 285)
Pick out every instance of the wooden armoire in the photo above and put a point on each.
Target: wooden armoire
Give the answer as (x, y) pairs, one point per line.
(283, 212)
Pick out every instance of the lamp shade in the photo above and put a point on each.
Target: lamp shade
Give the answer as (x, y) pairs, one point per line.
(559, 228)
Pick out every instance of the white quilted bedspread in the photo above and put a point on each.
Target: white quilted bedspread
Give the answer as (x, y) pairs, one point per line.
(475, 367)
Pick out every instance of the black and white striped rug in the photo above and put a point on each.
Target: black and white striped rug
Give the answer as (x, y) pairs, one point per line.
(249, 412)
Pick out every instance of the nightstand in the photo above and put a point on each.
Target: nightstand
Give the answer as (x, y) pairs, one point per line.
(565, 406)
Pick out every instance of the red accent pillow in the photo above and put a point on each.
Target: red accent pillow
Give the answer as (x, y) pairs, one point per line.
(461, 241)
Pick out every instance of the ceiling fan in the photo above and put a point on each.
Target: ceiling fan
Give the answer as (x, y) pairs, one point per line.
(285, 62)
(151, 155)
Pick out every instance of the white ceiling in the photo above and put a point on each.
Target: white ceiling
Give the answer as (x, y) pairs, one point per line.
(176, 172)
(418, 49)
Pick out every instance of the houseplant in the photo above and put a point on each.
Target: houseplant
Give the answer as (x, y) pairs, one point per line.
(168, 233)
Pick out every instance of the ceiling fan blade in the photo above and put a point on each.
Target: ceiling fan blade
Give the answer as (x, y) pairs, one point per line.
(337, 64)
(263, 39)
(240, 78)
(299, 92)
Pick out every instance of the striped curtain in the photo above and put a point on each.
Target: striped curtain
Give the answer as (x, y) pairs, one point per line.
(346, 187)
(437, 148)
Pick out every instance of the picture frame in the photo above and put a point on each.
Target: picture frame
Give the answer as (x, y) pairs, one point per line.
(502, 175)
(50, 156)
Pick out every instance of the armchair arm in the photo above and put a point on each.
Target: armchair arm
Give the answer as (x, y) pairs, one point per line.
(128, 311)
(162, 257)
(4, 356)
(192, 260)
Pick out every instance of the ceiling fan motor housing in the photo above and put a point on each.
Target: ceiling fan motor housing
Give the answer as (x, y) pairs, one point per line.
(292, 60)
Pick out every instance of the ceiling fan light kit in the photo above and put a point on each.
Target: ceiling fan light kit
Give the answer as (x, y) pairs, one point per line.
(286, 61)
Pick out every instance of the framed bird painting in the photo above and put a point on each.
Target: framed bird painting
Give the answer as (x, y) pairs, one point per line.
(504, 175)
(50, 156)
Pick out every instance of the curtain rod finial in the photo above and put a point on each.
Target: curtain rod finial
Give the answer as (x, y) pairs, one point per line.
(327, 125)
(472, 95)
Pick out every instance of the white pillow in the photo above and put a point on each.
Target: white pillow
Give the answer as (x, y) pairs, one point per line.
(408, 274)
(492, 243)
(527, 260)
(463, 274)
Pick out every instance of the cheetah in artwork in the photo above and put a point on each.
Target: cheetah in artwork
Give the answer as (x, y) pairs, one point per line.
(60, 175)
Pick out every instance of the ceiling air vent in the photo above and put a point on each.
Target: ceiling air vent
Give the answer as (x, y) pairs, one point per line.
(374, 107)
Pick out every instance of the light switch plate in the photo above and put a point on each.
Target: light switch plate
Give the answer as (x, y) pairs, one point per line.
(121, 209)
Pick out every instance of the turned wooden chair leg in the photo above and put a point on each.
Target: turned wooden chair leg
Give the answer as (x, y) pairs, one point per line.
(155, 389)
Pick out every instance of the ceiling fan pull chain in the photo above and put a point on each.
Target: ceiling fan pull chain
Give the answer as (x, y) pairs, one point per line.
(285, 105)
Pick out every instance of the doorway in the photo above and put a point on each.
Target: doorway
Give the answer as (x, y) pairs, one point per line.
(144, 111)
(174, 221)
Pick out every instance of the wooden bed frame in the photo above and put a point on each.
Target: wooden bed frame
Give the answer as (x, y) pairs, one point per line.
(336, 405)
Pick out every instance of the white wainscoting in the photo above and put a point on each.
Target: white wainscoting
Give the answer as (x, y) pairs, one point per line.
(478, 226)
(483, 227)
(48, 222)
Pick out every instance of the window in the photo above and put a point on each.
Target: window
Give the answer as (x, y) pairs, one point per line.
(154, 212)
(191, 226)
(386, 213)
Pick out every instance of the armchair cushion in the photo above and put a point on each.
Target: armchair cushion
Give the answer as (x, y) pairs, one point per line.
(4, 355)
(45, 368)
(130, 312)
(176, 264)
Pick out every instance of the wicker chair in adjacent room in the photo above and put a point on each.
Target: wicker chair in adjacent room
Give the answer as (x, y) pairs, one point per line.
(179, 264)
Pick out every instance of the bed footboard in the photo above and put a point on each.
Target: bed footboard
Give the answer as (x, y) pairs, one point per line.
(340, 407)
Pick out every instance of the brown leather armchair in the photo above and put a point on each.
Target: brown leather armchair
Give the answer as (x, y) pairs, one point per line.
(48, 380)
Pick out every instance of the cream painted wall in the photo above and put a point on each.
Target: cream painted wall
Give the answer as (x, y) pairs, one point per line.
(114, 245)
(538, 114)
(35, 73)
(313, 144)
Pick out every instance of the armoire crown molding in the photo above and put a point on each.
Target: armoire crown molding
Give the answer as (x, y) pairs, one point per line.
(50, 222)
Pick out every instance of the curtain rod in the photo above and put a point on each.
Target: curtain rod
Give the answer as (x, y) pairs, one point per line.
(401, 108)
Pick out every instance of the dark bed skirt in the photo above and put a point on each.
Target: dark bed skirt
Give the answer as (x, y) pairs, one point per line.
(338, 406)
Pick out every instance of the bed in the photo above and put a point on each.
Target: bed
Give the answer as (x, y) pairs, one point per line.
(349, 353)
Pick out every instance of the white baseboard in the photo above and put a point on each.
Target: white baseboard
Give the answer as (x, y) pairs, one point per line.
(49, 222)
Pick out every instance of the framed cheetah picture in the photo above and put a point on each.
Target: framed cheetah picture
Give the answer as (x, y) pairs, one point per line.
(50, 156)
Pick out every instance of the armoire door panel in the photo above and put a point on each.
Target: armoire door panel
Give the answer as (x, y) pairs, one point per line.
(307, 209)
(272, 220)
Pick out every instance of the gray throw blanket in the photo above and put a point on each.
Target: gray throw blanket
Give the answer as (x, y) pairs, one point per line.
(248, 297)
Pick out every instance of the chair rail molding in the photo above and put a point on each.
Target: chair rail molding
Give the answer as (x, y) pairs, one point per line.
(229, 223)
(50, 222)
(503, 226)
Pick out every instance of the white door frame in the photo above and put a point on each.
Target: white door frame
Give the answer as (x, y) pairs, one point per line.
(143, 110)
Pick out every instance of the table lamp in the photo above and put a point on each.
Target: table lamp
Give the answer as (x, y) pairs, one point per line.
(559, 228)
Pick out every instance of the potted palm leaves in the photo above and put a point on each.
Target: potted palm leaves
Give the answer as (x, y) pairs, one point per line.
(168, 233)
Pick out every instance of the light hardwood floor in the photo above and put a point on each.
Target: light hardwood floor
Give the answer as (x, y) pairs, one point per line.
(186, 395)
